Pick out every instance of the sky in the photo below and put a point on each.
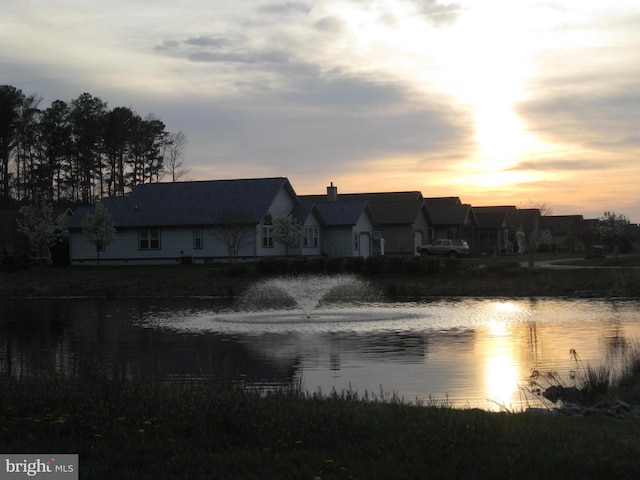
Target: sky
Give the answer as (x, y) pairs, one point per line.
(498, 102)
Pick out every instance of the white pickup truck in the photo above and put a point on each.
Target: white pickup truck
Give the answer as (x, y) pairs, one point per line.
(452, 248)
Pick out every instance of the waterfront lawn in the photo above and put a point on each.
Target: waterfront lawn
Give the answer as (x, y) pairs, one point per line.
(487, 276)
(136, 430)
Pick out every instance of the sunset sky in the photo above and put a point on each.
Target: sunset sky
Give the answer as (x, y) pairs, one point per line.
(499, 102)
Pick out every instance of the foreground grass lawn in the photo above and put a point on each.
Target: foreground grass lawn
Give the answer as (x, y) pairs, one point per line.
(132, 430)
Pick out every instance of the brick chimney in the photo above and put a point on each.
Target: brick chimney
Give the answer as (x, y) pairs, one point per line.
(332, 193)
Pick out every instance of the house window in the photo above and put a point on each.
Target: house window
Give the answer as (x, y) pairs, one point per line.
(149, 239)
(267, 236)
(197, 238)
(310, 237)
(356, 241)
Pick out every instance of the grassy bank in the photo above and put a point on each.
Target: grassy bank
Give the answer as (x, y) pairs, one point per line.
(133, 430)
(396, 277)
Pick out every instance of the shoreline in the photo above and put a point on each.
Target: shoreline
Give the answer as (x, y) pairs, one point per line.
(221, 281)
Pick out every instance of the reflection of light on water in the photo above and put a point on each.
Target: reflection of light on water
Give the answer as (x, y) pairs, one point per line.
(501, 376)
(501, 371)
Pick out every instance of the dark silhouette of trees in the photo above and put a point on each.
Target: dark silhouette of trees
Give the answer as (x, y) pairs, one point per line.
(79, 151)
(11, 100)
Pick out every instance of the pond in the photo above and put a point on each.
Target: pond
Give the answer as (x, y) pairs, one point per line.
(475, 352)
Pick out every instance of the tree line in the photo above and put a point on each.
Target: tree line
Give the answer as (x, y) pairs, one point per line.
(79, 151)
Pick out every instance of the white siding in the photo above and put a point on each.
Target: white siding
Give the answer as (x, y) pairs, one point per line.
(312, 221)
(338, 241)
(175, 243)
(281, 206)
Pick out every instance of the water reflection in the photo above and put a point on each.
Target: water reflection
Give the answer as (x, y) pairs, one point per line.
(476, 352)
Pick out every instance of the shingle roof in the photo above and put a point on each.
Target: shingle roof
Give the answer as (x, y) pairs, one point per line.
(191, 203)
(493, 217)
(337, 213)
(450, 214)
(388, 207)
(560, 224)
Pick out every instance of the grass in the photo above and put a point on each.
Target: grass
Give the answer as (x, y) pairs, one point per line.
(476, 276)
(137, 430)
(605, 382)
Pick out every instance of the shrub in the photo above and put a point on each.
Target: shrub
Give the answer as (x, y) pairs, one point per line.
(373, 265)
(430, 265)
(333, 264)
(298, 265)
(452, 264)
(411, 264)
(393, 264)
(315, 264)
(354, 264)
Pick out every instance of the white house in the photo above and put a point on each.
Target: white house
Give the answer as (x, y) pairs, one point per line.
(205, 221)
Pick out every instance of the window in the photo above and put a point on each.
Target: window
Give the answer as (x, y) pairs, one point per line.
(356, 241)
(149, 239)
(310, 237)
(267, 236)
(197, 238)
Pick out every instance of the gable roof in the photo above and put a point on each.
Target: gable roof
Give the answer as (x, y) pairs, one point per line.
(560, 224)
(450, 212)
(493, 217)
(442, 201)
(192, 203)
(388, 207)
(334, 214)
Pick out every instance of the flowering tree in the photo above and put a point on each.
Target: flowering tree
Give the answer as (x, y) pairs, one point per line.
(611, 227)
(530, 233)
(286, 231)
(98, 227)
(36, 222)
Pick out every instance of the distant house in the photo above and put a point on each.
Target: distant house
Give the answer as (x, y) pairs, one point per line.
(492, 231)
(190, 221)
(347, 229)
(450, 218)
(401, 218)
(564, 230)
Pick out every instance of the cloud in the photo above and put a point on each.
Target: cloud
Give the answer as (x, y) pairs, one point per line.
(330, 24)
(558, 165)
(285, 9)
(440, 15)
(207, 41)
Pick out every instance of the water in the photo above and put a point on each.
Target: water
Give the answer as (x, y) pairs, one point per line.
(475, 352)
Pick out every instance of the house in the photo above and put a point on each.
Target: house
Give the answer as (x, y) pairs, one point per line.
(564, 230)
(347, 229)
(401, 218)
(492, 231)
(526, 230)
(450, 218)
(205, 221)
(197, 221)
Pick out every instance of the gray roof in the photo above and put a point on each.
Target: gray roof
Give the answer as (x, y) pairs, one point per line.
(335, 214)
(451, 213)
(191, 203)
(493, 217)
(388, 207)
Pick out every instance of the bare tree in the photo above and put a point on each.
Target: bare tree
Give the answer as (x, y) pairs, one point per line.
(174, 155)
(530, 233)
(236, 230)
